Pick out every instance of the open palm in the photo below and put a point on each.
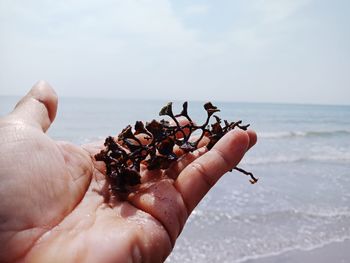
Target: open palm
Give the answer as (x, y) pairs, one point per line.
(54, 204)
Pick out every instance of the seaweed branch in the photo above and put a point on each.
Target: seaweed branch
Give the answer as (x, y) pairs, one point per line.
(123, 158)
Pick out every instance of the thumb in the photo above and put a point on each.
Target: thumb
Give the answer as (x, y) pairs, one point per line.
(38, 107)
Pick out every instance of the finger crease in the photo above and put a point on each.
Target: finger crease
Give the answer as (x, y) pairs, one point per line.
(222, 156)
(199, 168)
(187, 207)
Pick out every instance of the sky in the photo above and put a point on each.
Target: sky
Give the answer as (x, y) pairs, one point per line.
(294, 51)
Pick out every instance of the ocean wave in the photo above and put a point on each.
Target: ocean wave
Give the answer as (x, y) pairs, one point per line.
(289, 249)
(340, 157)
(272, 160)
(321, 221)
(323, 215)
(296, 134)
(244, 237)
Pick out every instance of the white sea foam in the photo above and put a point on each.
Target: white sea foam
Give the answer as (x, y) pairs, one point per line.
(325, 222)
(332, 157)
(295, 134)
(302, 248)
(272, 159)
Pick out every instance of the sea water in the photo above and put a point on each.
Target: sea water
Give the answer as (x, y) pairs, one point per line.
(302, 159)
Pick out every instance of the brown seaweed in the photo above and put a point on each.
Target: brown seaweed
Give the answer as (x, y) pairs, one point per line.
(123, 157)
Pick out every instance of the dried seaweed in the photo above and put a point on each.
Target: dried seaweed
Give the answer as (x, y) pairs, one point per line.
(123, 158)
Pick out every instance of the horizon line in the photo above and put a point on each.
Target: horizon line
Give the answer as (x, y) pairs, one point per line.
(193, 100)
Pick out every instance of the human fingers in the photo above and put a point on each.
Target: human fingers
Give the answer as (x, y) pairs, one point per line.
(253, 138)
(176, 168)
(38, 107)
(162, 200)
(201, 174)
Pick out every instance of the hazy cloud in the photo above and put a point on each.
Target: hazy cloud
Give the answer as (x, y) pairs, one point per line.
(261, 50)
(197, 9)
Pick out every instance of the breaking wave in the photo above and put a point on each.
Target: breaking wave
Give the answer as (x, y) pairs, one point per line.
(295, 134)
(340, 158)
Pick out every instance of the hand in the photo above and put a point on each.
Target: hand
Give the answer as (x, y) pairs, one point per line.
(52, 206)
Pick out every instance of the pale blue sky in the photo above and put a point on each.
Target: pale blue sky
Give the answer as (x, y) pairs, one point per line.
(243, 50)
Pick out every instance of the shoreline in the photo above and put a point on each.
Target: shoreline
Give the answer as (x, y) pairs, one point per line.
(336, 252)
